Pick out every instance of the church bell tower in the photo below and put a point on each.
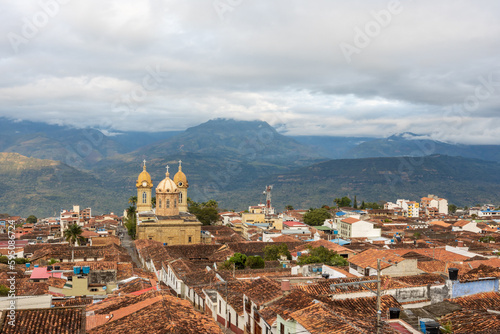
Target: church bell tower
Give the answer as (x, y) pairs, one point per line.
(144, 186)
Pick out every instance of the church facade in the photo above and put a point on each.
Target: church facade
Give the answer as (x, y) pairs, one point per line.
(169, 222)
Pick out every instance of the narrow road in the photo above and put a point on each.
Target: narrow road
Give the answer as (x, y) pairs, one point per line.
(129, 245)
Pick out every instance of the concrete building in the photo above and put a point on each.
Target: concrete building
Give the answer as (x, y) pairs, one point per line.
(355, 228)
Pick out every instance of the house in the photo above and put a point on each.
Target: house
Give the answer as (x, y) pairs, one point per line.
(365, 264)
(355, 228)
(48, 320)
(466, 225)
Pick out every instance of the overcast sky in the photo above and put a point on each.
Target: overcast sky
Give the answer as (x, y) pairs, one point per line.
(341, 68)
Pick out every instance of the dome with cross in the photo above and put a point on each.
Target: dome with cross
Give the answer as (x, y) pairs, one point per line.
(167, 185)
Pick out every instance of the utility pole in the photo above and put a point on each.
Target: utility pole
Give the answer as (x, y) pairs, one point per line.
(378, 292)
(379, 312)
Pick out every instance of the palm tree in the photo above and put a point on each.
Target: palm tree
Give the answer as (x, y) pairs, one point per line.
(133, 200)
(153, 202)
(73, 234)
(131, 210)
(131, 224)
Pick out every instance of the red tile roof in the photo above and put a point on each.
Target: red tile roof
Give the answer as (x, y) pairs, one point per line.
(47, 321)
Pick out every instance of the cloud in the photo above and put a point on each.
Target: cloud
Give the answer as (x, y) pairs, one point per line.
(280, 61)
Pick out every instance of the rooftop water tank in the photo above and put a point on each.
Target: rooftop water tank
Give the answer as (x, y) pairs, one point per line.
(76, 270)
(453, 274)
(86, 270)
(394, 312)
(49, 268)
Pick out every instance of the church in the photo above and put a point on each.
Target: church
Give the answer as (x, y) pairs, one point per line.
(170, 222)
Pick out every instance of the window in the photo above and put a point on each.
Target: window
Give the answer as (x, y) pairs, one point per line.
(94, 290)
(220, 307)
(189, 239)
(159, 203)
(175, 202)
(168, 204)
(282, 328)
(144, 197)
(180, 197)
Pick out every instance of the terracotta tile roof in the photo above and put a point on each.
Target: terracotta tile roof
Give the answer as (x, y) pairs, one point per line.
(435, 253)
(47, 321)
(132, 286)
(480, 272)
(322, 288)
(467, 321)
(325, 243)
(24, 287)
(284, 238)
(461, 223)
(369, 257)
(223, 234)
(56, 282)
(166, 315)
(72, 301)
(263, 290)
(296, 300)
(480, 301)
(320, 319)
(350, 220)
(104, 241)
(364, 306)
(490, 262)
(441, 267)
(440, 223)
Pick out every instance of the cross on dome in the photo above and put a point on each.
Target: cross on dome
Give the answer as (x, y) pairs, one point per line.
(168, 174)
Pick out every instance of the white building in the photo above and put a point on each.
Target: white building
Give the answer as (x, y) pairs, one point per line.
(355, 228)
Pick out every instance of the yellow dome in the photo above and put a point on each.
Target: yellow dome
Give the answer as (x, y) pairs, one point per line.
(144, 177)
(180, 178)
(167, 185)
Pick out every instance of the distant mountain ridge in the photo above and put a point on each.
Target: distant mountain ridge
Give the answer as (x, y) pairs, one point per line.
(410, 144)
(232, 161)
(462, 181)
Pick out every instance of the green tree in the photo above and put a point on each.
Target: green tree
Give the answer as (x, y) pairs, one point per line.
(153, 202)
(486, 239)
(255, 262)
(274, 252)
(4, 290)
(363, 205)
(289, 207)
(210, 204)
(417, 235)
(316, 217)
(131, 221)
(206, 212)
(238, 260)
(31, 219)
(322, 255)
(452, 208)
(73, 234)
(355, 205)
(342, 202)
(52, 261)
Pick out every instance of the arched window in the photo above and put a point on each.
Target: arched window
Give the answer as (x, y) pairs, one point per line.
(180, 198)
(144, 197)
(175, 202)
(168, 204)
(159, 203)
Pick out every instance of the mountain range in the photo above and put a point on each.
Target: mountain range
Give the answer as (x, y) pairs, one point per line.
(232, 161)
